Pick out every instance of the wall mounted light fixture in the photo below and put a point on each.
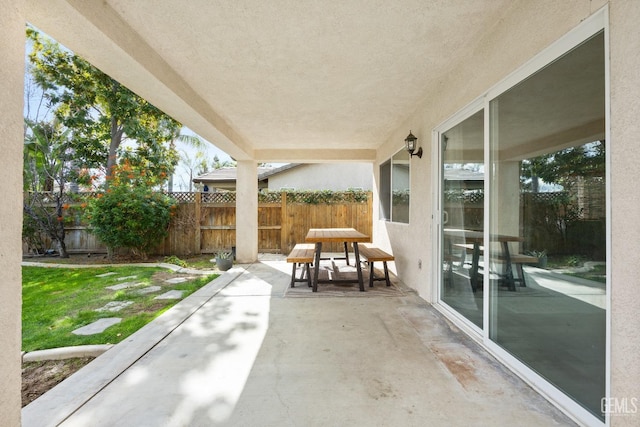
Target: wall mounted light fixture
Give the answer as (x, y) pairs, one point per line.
(410, 145)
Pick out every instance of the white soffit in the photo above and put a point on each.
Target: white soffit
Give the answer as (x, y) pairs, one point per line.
(266, 80)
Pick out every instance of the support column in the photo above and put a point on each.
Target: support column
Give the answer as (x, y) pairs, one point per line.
(247, 211)
(12, 34)
(625, 205)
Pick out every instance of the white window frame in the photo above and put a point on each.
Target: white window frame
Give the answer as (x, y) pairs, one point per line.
(389, 202)
(591, 26)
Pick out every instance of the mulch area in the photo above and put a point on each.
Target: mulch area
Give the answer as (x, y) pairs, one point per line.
(40, 377)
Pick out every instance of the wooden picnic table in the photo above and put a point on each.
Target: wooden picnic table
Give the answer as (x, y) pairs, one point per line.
(329, 235)
(476, 238)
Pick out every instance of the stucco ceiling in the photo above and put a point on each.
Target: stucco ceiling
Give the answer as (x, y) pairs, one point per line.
(277, 80)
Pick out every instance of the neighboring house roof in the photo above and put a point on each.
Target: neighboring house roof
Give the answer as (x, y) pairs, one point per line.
(293, 175)
(227, 175)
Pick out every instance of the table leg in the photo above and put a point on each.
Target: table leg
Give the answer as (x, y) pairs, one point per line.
(508, 267)
(475, 261)
(316, 267)
(346, 252)
(358, 266)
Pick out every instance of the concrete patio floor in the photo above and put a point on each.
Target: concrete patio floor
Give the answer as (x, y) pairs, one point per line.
(240, 353)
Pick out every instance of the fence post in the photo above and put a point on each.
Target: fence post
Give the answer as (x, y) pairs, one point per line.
(198, 232)
(283, 223)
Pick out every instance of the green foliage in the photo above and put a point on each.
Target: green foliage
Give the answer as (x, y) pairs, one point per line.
(57, 301)
(586, 160)
(101, 112)
(175, 261)
(130, 214)
(326, 197)
(223, 255)
(48, 165)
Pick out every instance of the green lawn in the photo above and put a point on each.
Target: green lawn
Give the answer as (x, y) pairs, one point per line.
(56, 301)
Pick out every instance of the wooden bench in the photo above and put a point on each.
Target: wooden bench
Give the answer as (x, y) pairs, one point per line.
(302, 253)
(516, 259)
(371, 255)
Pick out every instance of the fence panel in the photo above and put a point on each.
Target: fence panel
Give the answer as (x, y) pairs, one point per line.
(217, 227)
(206, 223)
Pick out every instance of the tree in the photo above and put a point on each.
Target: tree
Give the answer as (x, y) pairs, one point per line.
(48, 168)
(193, 141)
(101, 113)
(586, 160)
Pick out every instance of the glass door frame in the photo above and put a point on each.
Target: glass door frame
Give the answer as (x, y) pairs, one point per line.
(437, 244)
(591, 26)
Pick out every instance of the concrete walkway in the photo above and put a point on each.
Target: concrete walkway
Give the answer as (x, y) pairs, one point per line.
(240, 353)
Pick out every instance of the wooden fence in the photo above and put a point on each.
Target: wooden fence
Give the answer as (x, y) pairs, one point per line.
(206, 222)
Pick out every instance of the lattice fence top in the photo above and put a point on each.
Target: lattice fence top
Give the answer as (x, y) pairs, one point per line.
(465, 196)
(221, 197)
(183, 197)
(49, 197)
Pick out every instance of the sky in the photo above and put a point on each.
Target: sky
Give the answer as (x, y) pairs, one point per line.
(181, 174)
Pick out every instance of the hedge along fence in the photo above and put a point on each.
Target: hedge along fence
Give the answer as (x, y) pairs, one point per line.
(206, 222)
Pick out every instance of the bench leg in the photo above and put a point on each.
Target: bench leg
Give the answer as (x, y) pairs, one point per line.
(371, 274)
(293, 276)
(308, 274)
(316, 267)
(521, 273)
(386, 273)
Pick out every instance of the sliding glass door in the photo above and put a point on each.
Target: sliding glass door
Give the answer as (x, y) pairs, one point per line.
(523, 226)
(548, 191)
(462, 198)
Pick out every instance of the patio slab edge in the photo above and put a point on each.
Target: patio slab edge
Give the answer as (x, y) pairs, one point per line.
(53, 407)
(66, 352)
(173, 267)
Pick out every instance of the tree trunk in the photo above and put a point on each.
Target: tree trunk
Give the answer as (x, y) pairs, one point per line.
(62, 249)
(116, 139)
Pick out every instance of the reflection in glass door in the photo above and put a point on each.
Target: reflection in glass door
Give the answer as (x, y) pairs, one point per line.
(462, 219)
(548, 191)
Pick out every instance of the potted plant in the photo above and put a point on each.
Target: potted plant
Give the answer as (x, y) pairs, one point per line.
(223, 260)
(542, 257)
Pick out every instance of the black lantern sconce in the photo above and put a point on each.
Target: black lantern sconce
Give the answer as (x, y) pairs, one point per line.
(410, 145)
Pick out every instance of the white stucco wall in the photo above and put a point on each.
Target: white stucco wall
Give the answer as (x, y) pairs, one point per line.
(324, 176)
(625, 204)
(527, 29)
(12, 32)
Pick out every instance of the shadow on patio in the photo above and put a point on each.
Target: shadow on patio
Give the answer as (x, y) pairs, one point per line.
(239, 352)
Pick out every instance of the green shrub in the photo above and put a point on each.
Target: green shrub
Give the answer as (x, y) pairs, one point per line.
(129, 214)
(175, 261)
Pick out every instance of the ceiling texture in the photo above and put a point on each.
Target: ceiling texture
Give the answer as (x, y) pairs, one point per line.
(276, 80)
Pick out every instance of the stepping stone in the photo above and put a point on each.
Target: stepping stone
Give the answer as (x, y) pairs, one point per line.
(174, 294)
(127, 278)
(125, 285)
(114, 306)
(177, 280)
(147, 290)
(111, 273)
(97, 327)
